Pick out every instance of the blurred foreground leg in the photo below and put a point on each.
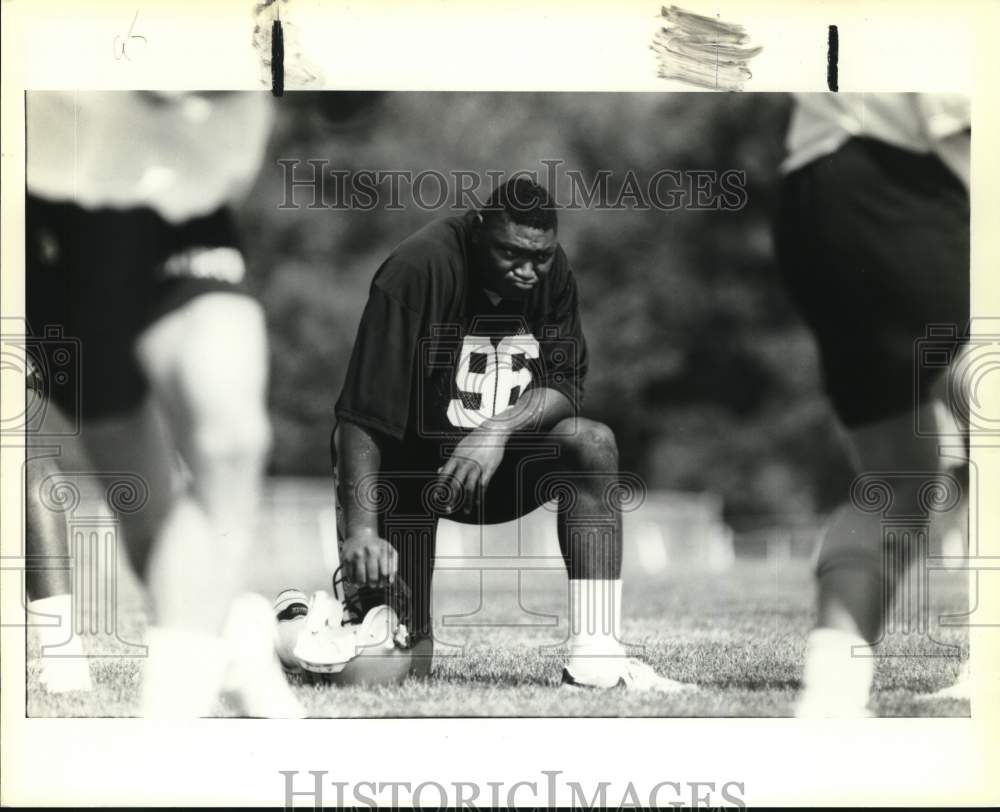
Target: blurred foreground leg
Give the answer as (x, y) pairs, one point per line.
(207, 364)
(858, 574)
(64, 666)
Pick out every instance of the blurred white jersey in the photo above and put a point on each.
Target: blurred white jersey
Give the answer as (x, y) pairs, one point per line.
(181, 154)
(822, 122)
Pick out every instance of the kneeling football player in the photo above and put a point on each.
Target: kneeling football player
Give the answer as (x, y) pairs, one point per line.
(461, 400)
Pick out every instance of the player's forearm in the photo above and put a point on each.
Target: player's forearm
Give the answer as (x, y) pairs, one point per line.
(359, 461)
(536, 410)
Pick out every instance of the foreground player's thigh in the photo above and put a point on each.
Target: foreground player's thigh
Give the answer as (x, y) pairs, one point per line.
(575, 455)
(207, 366)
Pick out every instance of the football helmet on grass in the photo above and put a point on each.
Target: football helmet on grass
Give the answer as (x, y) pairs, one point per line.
(347, 637)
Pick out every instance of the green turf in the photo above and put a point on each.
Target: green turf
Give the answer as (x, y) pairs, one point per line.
(738, 636)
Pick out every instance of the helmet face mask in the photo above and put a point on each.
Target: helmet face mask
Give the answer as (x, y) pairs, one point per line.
(351, 637)
(360, 600)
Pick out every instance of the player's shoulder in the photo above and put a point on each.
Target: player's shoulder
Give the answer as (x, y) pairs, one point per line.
(558, 297)
(430, 262)
(561, 267)
(560, 278)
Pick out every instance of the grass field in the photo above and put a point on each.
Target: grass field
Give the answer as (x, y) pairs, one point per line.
(738, 636)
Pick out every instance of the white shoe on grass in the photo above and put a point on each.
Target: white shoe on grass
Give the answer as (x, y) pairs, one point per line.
(60, 675)
(63, 667)
(817, 707)
(255, 680)
(625, 673)
(960, 689)
(837, 676)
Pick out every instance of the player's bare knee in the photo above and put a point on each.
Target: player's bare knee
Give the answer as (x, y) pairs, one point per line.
(140, 529)
(588, 445)
(240, 441)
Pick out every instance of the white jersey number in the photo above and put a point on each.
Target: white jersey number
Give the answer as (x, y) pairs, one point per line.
(494, 383)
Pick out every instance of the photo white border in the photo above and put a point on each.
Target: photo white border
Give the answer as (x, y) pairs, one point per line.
(427, 45)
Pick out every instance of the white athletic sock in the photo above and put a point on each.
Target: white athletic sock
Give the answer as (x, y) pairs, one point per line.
(596, 653)
(63, 664)
(595, 614)
(184, 673)
(837, 678)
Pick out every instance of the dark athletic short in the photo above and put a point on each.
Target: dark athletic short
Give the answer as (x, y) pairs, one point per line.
(873, 243)
(409, 501)
(97, 278)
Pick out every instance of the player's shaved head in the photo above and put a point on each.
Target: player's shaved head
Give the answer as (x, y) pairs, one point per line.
(524, 202)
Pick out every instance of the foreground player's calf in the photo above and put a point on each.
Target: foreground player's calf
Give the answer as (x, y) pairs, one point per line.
(858, 572)
(207, 367)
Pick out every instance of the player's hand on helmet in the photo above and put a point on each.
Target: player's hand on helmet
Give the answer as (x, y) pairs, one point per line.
(471, 467)
(369, 559)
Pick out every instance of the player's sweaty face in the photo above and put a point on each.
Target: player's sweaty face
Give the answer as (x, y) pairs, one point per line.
(515, 257)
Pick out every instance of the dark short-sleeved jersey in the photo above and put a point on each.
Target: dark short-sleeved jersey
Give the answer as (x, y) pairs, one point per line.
(434, 357)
